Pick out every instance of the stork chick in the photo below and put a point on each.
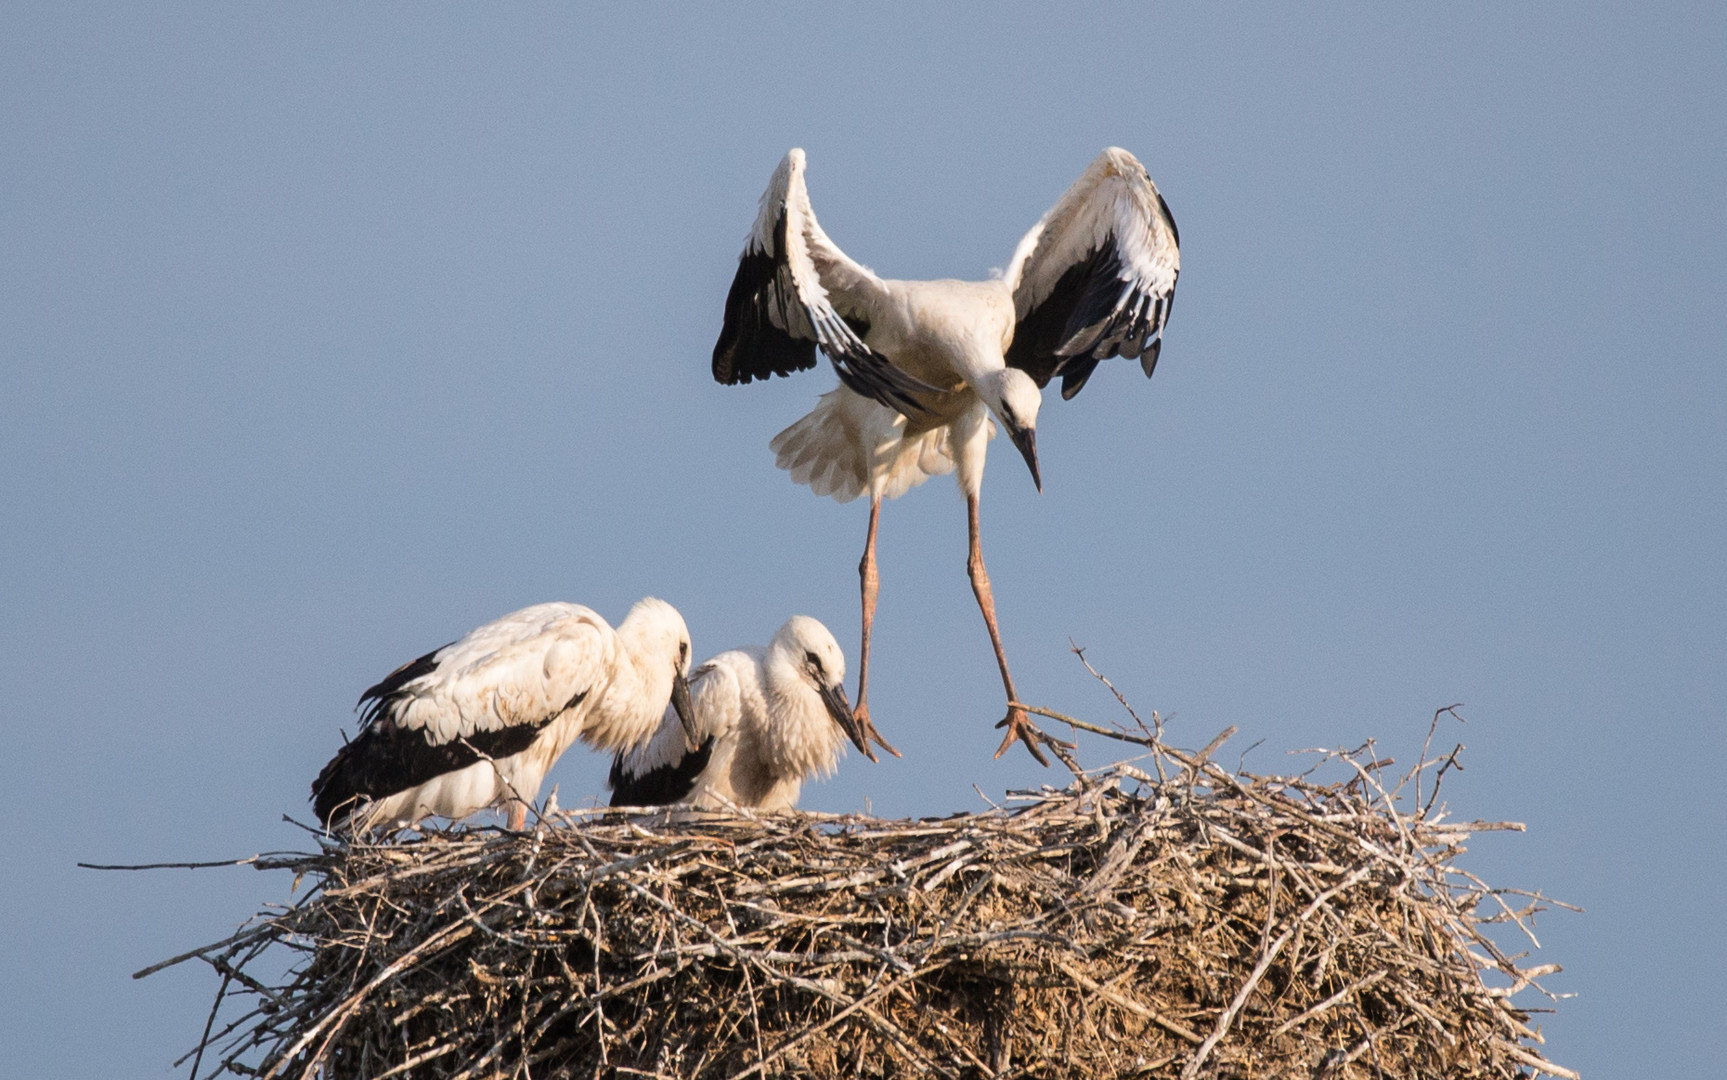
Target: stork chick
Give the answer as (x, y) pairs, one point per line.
(766, 720)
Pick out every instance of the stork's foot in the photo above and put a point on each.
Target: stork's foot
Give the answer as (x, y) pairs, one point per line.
(867, 730)
(1021, 729)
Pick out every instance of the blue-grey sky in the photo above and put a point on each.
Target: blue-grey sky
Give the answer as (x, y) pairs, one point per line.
(327, 333)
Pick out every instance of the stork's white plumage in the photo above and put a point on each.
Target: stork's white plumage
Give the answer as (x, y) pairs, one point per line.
(925, 366)
(766, 720)
(481, 721)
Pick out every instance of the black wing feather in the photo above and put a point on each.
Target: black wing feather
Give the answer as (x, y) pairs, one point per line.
(870, 374)
(1074, 373)
(376, 698)
(1046, 327)
(751, 346)
(662, 786)
(1174, 233)
(386, 759)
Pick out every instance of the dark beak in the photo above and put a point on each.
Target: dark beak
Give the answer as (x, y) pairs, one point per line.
(1026, 440)
(834, 697)
(686, 712)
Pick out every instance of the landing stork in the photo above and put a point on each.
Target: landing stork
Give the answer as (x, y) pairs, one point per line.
(925, 366)
(481, 721)
(766, 721)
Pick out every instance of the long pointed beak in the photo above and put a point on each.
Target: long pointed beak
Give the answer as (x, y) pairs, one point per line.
(685, 710)
(840, 708)
(1026, 440)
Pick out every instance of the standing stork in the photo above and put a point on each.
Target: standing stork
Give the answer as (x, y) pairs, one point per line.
(925, 365)
(481, 721)
(766, 720)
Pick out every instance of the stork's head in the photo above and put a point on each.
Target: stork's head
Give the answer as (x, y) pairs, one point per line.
(808, 648)
(656, 634)
(1014, 398)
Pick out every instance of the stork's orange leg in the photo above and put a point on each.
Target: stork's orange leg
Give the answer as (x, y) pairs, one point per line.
(1018, 724)
(871, 584)
(518, 815)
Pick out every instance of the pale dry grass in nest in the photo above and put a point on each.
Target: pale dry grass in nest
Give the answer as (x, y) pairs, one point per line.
(1164, 919)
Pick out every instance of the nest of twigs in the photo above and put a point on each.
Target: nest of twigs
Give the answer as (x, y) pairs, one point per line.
(1168, 918)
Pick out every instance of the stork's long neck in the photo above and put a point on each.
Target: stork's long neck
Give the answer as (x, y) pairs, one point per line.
(799, 739)
(632, 703)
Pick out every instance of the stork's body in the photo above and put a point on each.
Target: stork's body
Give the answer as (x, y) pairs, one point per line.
(766, 719)
(925, 366)
(481, 721)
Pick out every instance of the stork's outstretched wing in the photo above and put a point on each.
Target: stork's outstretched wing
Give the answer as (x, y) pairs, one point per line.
(1095, 278)
(795, 290)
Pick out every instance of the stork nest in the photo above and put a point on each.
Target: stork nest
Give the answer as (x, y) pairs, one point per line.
(1168, 918)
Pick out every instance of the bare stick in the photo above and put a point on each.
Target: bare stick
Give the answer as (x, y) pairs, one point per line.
(269, 860)
(1428, 742)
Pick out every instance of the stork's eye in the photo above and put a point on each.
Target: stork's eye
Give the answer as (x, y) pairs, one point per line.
(814, 662)
(683, 650)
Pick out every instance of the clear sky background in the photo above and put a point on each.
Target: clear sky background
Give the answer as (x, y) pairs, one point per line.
(327, 333)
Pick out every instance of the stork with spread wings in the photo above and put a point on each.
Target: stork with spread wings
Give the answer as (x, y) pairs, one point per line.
(927, 368)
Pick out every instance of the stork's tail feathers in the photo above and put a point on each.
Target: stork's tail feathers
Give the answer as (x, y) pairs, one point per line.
(819, 451)
(337, 790)
(848, 439)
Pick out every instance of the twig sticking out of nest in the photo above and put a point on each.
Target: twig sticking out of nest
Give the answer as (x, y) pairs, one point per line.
(1209, 923)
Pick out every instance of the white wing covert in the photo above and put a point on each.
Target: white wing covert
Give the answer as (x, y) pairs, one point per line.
(1095, 277)
(520, 671)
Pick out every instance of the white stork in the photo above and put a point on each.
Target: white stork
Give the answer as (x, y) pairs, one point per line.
(924, 365)
(482, 720)
(766, 719)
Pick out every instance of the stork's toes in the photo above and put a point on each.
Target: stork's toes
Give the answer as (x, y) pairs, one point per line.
(867, 730)
(1021, 729)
